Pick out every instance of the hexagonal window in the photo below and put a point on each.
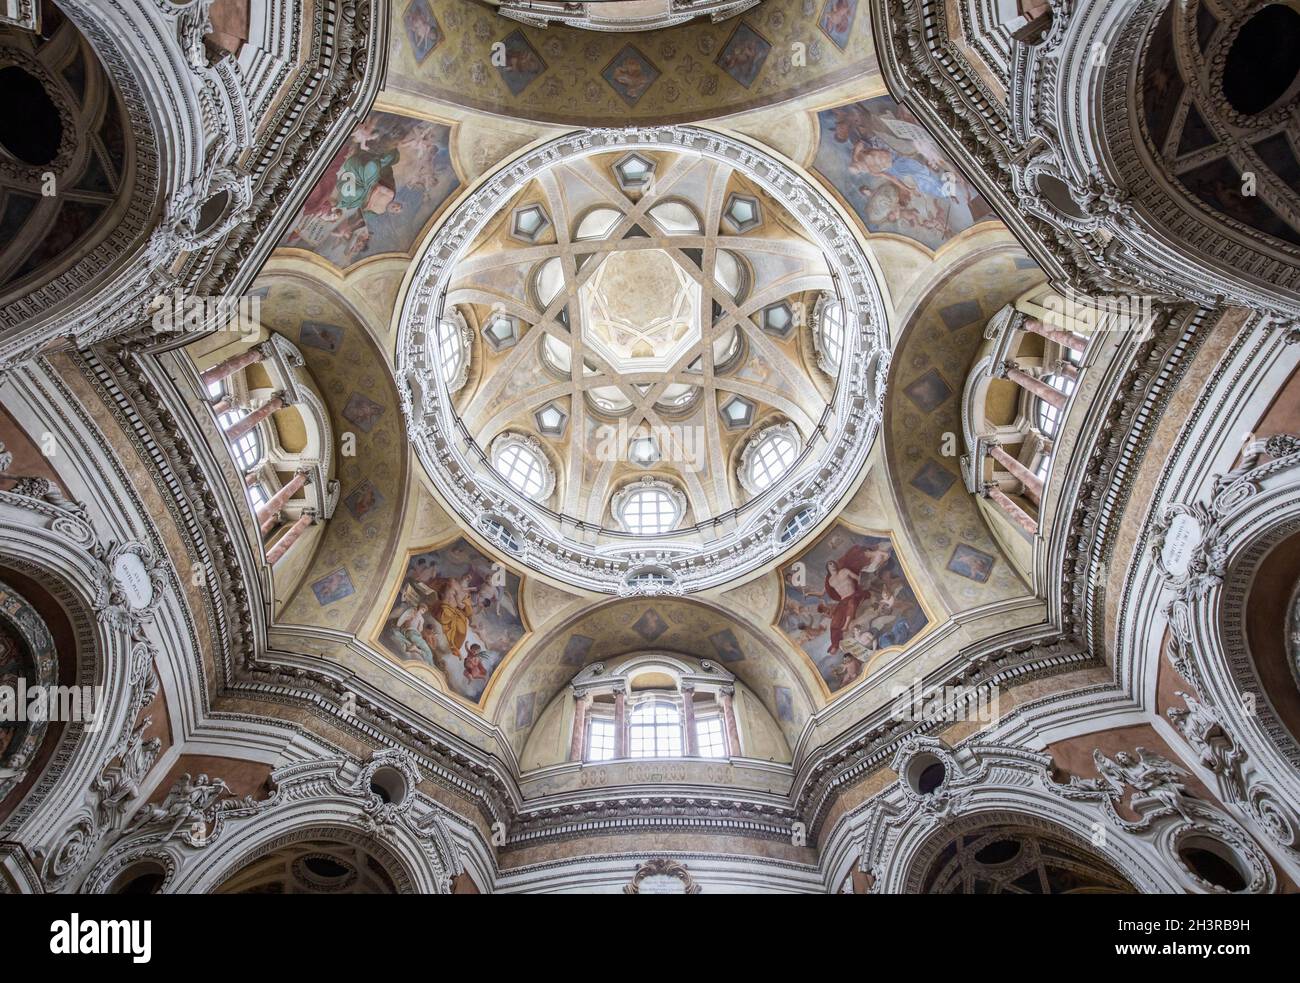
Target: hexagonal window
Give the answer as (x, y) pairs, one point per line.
(778, 319)
(742, 212)
(643, 451)
(737, 413)
(502, 331)
(634, 172)
(529, 222)
(551, 420)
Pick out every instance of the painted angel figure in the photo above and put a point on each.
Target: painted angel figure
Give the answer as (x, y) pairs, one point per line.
(1150, 774)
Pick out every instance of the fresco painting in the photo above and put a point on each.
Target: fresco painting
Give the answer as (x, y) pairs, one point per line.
(333, 587)
(422, 29)
(847, 599)
(890, 171)
(836, 21)
(743, 55)
(630, 74)
(378, 192)
(457, 611)
(517, 62)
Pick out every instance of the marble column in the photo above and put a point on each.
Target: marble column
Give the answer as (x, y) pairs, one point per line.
(241, 427)
(1013, 511)
(581, 704)
(729, 720)
(620, 723)
(1032, 483)
(1066, 339)
(276, 502)
(289, 538)
(692, 743)
(225, 369)
(1067, 369)
(1036, 387)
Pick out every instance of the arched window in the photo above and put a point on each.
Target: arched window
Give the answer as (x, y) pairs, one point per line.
(676, 218)
(649, 509)
(453, 350)
(795, 526)
(598, 223)
(1046, 416)
(655, 730)
(257, 495)
(710, 738)
(520, 463)
(768, 456)
(247, 450)
(601, 740)
(830, 335)
(549, 280)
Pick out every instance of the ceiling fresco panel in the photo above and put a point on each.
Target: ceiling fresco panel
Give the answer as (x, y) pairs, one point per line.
(468, 55)
(848, 602)
(456, 612)
(379, 192)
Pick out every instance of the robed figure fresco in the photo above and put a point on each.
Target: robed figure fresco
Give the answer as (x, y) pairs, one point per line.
(846, 600)
(457, 611)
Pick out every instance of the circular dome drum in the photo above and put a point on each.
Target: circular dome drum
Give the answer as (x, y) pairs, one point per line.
(655, 402)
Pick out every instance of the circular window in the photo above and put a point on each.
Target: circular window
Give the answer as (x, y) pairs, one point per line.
(141, 878)
(1214, 862)
(389, 784)
(931, 778)
(1264, 60)
(30, 128)
(1058, 193)
(212, 210)
(926, 773)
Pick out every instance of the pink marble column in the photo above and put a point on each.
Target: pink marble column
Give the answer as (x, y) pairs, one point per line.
(581, 704)
(223, 405)
(620, 724)
(1067, 369)
(241, 427)
(1036, 387)
(729, 719)
(225, 369)
(1066, 339)
(1033, 484)
(1013, 511)
(276, 502)
(289, 538)
(688, 721)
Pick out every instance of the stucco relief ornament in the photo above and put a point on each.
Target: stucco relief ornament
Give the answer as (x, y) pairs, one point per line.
(380, 815)
(658, 868)
(1204, 731)
(193, 20)
(131, 584)
(189, 811)
(1156, 781)
(1186, 550)
(117, 786)
(202, 212)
